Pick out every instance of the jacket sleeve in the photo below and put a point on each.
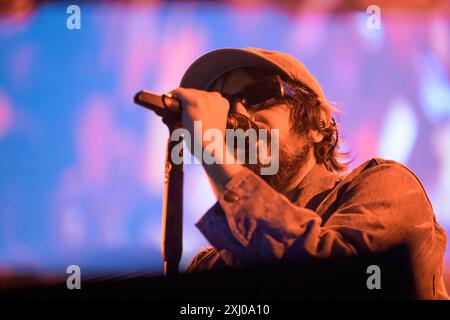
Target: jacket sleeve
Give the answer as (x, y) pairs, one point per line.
(381, 207)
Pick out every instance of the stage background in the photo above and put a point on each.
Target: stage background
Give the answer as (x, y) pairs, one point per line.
(81, 167)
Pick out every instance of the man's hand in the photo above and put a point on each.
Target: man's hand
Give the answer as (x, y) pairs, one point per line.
(208, 107)
(212, 110)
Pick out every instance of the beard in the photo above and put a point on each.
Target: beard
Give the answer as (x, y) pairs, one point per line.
(291, 158)
(293, 154)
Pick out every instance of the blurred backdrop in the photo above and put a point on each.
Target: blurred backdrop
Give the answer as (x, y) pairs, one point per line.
(81, 167)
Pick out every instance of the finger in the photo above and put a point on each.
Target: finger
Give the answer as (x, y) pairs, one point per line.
(184, 93)
(238, 107)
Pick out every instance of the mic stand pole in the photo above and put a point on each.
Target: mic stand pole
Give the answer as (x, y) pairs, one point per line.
(172, 211)
(169, 109)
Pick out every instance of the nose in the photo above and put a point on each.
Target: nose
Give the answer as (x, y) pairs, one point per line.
(238, 107)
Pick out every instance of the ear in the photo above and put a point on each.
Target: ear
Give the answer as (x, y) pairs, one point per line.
(315, 136)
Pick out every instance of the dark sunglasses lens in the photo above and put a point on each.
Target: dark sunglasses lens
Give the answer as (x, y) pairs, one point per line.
(261, 91)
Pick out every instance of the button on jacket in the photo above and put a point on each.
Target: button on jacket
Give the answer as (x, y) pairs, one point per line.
(379, 205)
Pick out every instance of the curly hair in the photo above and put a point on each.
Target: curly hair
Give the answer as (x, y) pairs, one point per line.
(307, 113)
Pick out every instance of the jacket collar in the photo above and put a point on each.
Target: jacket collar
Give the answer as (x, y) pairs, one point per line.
(315, 186)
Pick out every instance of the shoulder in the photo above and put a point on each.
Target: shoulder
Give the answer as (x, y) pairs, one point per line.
(388, 191)
(382, 176)
(377, 164)
(385, 170)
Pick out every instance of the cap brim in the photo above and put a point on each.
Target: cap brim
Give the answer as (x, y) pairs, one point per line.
(206, 69)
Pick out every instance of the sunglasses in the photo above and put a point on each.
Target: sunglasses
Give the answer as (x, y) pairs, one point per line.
(267, 91)
(263, 92)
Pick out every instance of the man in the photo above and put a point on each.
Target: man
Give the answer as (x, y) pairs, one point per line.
(309, 208)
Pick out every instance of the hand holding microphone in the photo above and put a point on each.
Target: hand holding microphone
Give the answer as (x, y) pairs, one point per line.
(169, 107)
(203, 114)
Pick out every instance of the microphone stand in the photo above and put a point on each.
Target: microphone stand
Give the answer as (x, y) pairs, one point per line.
(172, 212)
(169, 108)
(172, 209)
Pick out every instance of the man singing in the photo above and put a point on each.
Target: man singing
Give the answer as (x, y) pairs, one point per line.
(309, 208)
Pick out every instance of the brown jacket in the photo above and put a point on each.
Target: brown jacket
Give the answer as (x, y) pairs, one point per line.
(379, 205)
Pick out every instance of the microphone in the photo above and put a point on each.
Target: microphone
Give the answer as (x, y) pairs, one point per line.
(163, 105)
(169, 108)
